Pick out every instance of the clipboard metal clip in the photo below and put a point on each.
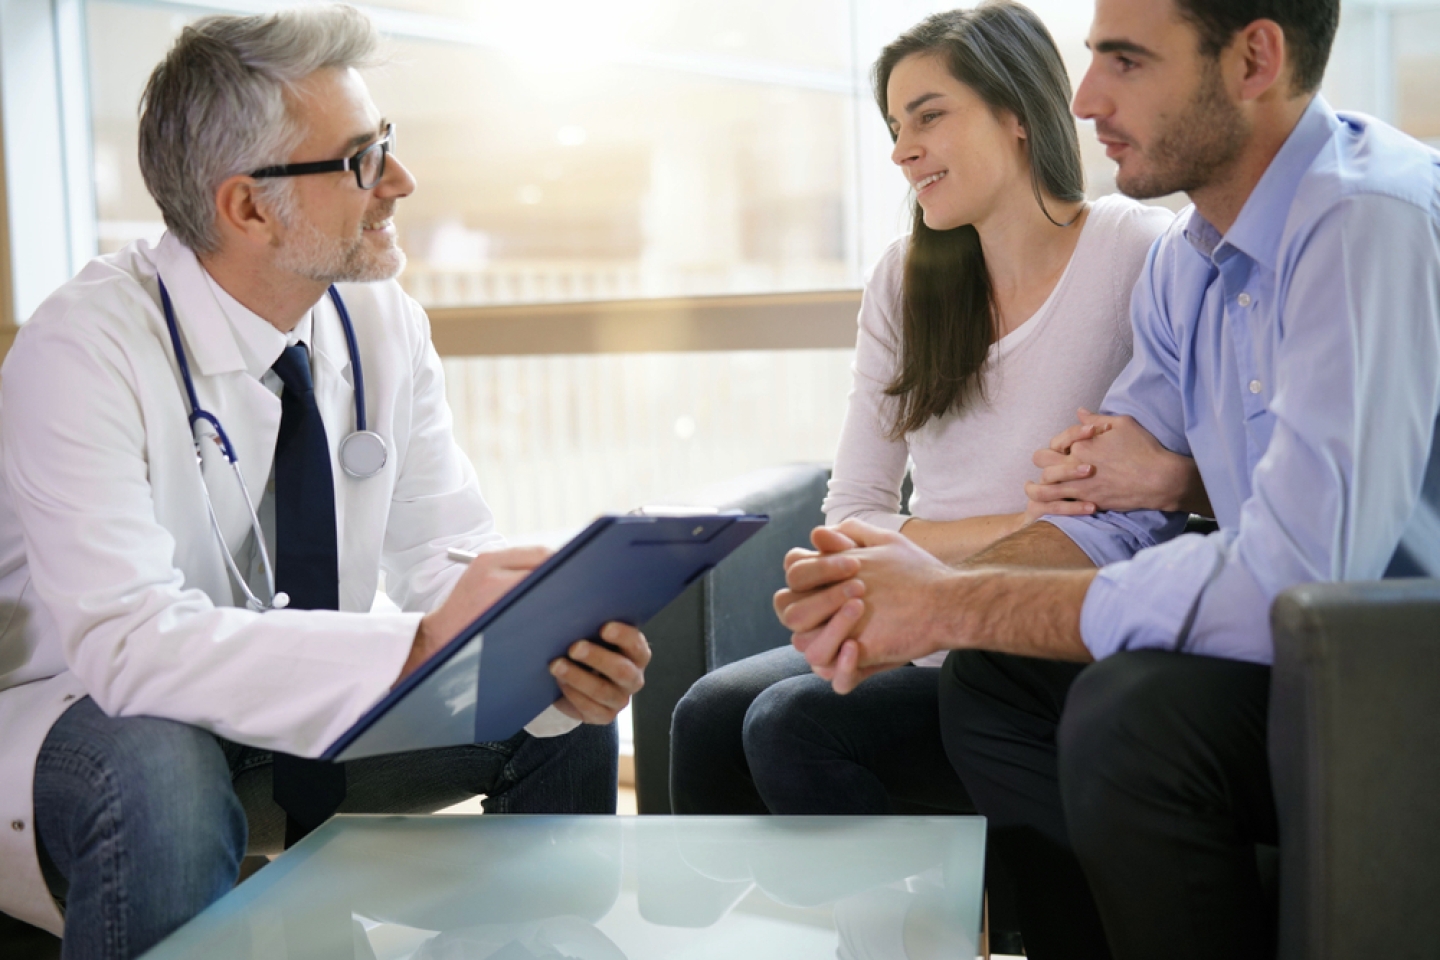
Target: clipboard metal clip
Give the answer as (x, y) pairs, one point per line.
(668, 510)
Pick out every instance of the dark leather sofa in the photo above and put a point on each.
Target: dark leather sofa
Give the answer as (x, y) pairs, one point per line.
(1354, 726)
(1355, 756)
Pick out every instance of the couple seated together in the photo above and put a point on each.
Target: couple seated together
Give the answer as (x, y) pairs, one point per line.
(1039, 640)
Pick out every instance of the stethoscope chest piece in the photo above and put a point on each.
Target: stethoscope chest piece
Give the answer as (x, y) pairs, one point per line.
(362, 454)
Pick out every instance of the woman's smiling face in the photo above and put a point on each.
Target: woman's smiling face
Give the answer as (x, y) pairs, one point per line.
(963, 159)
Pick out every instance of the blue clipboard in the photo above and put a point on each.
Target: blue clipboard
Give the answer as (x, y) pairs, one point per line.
(494, 677)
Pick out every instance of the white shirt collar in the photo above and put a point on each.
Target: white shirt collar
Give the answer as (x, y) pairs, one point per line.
(259, 341)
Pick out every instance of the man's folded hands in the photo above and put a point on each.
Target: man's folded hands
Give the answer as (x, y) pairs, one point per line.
(859, 603)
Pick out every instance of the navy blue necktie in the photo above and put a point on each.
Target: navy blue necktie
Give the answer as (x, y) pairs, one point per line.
(307, 568)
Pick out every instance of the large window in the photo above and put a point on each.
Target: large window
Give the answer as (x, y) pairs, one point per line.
(583, 151)
(580, 150)
(577, 151)
(586, 151)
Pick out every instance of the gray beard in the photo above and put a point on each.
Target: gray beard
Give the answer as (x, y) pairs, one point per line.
(311, 254)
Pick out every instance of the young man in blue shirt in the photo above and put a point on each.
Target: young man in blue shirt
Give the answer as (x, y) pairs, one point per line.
(1286, 335)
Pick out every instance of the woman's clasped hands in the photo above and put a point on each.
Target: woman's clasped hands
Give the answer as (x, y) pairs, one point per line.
(1111, 463)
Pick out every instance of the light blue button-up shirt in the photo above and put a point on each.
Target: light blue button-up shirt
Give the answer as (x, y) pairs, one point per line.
(1297, 359)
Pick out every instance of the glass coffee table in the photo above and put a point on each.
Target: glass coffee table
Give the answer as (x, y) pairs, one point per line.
(606, 888)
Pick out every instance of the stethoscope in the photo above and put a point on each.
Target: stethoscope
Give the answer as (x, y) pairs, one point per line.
(362, 453)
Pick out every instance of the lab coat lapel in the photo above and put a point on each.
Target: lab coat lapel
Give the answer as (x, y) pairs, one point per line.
(248, 411)
(334, 386)
(355, 527)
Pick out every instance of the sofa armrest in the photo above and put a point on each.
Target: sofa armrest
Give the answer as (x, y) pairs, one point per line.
(724, 616)
(1355, 754)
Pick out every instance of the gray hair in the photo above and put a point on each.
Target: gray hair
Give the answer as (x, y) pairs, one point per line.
(216, 107)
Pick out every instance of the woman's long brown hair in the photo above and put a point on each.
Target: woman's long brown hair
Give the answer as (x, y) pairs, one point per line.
(1003, 52)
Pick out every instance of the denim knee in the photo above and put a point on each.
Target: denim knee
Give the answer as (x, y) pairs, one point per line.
(712, 712)
(574, 772)
(711, 706)
(599, 743)
(157, 790)
(595, 749)
(140, 824)
(782, 719)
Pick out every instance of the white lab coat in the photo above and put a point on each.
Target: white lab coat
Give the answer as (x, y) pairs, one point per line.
(111, 580)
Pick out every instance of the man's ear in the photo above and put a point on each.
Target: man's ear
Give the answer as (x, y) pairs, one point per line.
(1260, 48)
(239, 213)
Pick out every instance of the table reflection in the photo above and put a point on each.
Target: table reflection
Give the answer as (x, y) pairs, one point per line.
(607, 888)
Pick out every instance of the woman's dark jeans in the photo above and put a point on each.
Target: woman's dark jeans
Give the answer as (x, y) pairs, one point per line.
(767, 735)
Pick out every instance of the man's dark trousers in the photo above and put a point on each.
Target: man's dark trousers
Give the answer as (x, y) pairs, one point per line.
(1149, 771)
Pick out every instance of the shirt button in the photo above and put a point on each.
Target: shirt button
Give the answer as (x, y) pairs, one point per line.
(17, 825)
(1256, 386)
(1243, 299)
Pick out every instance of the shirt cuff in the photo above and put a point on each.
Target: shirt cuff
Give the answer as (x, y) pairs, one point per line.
(1148, 602)
(1111, 537)
(551, 723)
(1232, 617)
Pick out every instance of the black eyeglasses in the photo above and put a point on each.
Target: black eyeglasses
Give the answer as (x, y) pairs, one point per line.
(368, 164)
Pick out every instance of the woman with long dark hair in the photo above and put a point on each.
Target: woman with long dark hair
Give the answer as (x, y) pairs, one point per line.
(1005, 309)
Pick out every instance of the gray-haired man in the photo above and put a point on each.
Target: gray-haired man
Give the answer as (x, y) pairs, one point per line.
(151, 674)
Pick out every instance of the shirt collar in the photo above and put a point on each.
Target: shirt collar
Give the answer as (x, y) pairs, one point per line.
(1202, 236)
(260, 343)
(1258, 229)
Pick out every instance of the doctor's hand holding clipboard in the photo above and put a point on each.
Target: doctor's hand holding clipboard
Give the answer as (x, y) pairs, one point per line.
(596, 680)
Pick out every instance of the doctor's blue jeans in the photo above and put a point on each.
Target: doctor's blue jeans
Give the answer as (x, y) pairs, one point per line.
(143, 822)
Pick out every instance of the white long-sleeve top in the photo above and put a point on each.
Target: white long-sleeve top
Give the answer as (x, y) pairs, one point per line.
(976, 462)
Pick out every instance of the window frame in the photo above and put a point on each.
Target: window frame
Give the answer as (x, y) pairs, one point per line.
(55, 251)
(44, 106)
(45, 145)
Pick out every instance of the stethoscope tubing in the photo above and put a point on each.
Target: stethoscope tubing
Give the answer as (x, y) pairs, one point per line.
(354, 349)
(197, 412)
(374, 444)
(279, 599)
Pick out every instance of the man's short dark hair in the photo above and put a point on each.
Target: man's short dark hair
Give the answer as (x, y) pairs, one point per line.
(1309, 27)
